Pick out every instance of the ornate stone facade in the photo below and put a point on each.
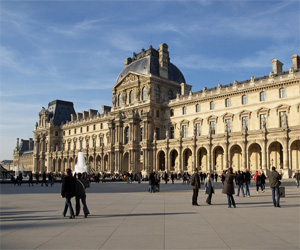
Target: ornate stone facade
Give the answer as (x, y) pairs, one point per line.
(157, 122)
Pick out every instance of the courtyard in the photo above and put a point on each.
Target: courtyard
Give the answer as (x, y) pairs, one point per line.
(126, 216)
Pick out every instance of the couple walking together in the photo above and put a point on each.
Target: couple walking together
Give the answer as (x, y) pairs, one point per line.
(74, 187)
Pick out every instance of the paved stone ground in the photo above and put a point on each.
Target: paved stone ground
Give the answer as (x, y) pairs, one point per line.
(126, 216)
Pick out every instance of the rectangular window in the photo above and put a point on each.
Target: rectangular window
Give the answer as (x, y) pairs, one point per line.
(245, 122)
(228, 125)
(262, 96)
(263, 121)
(157, 113)
(197, 108)
(198, 129)
(244, 99)
(281, 93)
(212, 127)
(184, 110)
(227, 102)
(281, 118)
(171, 132)
(184, 131)
(212, 105)
(157, 133)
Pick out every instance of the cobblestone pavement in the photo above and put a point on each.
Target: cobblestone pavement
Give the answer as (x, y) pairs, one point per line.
(126, 216)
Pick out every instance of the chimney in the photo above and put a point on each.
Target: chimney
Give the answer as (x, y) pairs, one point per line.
(277, 66)
(163, 60)
(17, 143)
(128, 61)
(296, 61)
(30, 144)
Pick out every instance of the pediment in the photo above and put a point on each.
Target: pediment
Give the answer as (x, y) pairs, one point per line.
(129, 78)
(245, 113)
(198, 120)
(262, 110)
(212, 118)
(283, 107)
(184, 122)
(227, 115)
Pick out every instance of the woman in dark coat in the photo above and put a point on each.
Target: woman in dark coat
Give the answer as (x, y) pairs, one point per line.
(229, 187)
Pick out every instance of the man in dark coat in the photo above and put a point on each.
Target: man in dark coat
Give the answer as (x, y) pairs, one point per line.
(229, 187)
(80, 187)
(274, 181)
(151, 182)
(68, 191)
(195, 182)
(240, 183)
(44, 177)
(247, 178)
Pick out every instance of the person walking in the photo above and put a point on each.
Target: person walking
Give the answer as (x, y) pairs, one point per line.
(195, 182)
(209, 188)
(172, 178)
(68, 191)
(80, 187)
(30, 180)
(263, 181)
(297, 176)
(20, 179)
(37, 177)
(151, 182)
(229, 187)
(274, 182)
(240, 183)
(166, 176)
(247, 178)
(44, 178)
(257, 179)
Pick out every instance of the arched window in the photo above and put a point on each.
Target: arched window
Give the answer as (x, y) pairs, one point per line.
(170, 94)
(131, 97)
(262, 96)
(119, 100)
(244, 99)
(157, 94)
(144, 94)
(212, 105)
(227, 102)
(281, 93)
(126, 135)
(172, 112)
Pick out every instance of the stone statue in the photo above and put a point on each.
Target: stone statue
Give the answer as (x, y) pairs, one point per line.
(114, 100)
(167, 134)
(195, 131)
(263, 123)
(244, 127)
(36, 125)
(138, 94)
(226, 127)
(284, 120)
(155, 136)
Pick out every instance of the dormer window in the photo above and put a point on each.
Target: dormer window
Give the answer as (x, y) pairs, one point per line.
(144, 94)
(157, 94)
(119, 100)
(170, 94)
(131, 97)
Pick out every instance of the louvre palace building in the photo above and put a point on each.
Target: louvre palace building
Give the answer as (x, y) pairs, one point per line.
(157, 122)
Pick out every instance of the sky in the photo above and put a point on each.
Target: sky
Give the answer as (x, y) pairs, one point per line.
(75, 50)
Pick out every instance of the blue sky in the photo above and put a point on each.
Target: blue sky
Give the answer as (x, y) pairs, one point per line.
(74, 50)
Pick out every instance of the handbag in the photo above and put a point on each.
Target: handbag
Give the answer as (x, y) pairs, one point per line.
(193, 183)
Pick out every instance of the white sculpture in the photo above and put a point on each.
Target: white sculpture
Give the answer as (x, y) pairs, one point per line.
(81, 166)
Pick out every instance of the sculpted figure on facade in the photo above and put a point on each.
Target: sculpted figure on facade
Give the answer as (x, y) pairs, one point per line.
(284, 120)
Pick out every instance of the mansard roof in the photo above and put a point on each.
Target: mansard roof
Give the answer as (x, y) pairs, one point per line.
(61, 111)
(147, 62)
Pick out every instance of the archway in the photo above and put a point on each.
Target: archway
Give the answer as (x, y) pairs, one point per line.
(202, 159)
(71, 163)
(59, 165)
(236, 158)
(218, 156)
(105, 163)
(65, 165)
(161, 161)
(125, 162)
(187, 160)
(275, 155)
(255, 159)
(174, 160)
(98, 163)
(91, 163)
(53, 165)
(295, 155)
